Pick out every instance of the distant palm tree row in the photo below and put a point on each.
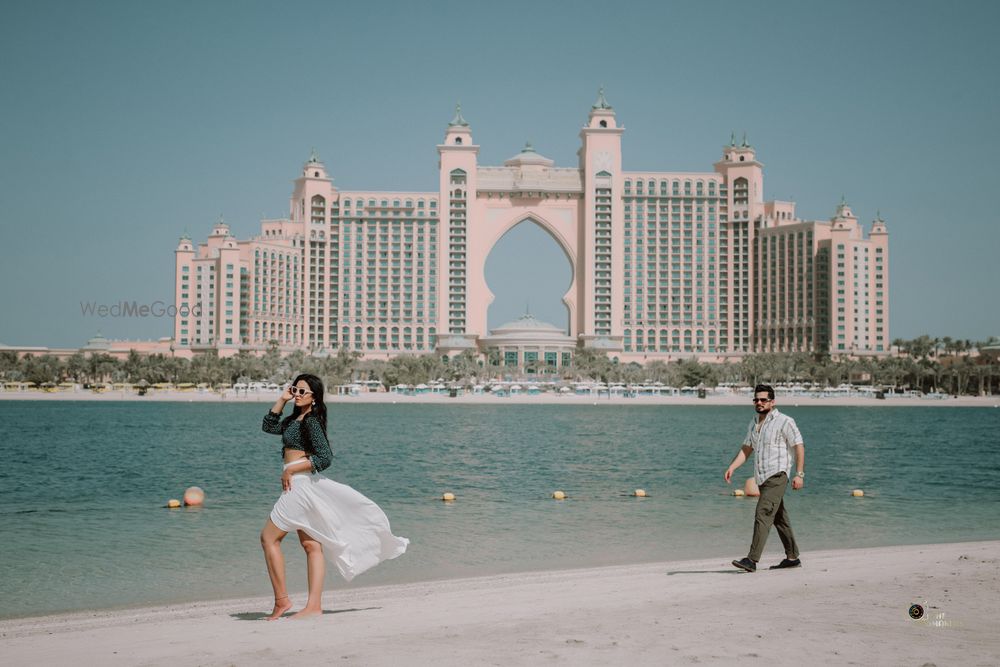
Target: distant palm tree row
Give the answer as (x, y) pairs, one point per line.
(924, 363)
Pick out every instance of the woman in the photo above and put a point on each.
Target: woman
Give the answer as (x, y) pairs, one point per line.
(331, 519)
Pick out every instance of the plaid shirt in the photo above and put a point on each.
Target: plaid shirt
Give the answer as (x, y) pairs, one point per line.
(772, 442)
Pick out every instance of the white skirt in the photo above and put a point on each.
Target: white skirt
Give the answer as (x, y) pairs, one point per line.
(353, 530)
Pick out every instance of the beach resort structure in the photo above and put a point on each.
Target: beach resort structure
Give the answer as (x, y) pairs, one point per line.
(98, 344)
(665, 265)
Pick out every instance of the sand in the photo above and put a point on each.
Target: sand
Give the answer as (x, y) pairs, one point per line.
(841, 607)
(490, 399)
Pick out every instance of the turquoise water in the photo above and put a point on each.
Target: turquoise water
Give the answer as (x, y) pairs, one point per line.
(83, 484)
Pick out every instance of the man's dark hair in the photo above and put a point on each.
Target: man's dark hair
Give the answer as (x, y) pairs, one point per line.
(764, 387)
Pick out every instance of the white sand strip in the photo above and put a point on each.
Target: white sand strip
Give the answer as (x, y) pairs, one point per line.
(845, 606)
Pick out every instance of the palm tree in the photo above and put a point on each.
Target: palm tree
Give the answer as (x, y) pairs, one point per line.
(43, 369)
(948, 345)
(922, 347)
(133, 365)
(101, 366)
(76, 368)
(339, 369)
(465, 365)
(592, 364)
(901, 345)
(694, 374)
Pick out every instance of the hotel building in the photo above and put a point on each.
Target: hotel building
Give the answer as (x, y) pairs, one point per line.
(665, 265)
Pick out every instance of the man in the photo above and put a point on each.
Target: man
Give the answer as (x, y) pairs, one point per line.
(772, 437)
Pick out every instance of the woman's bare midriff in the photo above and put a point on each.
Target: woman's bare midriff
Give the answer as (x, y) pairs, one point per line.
(292, 455)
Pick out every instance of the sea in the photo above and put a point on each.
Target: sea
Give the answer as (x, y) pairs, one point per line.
(84, 488)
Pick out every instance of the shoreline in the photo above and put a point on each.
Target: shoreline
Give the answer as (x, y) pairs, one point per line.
(522, 399)
(845, 605)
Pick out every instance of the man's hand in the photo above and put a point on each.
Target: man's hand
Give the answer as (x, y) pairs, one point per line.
(797, 483)
(729, 475)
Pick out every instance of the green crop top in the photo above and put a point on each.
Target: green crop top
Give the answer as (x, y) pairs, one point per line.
(291, 438)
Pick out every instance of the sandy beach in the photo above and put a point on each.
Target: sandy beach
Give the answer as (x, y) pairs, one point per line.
(841, 607)
(547, 398)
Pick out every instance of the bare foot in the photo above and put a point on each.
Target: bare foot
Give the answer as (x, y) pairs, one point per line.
(281, 605)
(306, 612)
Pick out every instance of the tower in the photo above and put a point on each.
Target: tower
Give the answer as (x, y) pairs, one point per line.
(183, 322)
(457, 187)
(744, 179)
(312, 199)
(600, 251)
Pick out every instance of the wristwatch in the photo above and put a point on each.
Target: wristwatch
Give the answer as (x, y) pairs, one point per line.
(800, 474)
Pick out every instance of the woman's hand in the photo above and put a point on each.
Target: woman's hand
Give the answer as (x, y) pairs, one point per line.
(279, 405)
(286, 481)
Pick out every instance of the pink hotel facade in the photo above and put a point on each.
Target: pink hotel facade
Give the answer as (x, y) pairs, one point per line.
(665, 265)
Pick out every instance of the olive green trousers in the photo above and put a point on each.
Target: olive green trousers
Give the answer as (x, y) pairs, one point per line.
(771, 511)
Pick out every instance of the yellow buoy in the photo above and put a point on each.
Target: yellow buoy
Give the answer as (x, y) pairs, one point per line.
(857, 493)
(448, 497)
(194, 496)
(639, 493)
(738, 492)
(559, 495)
(173, 502)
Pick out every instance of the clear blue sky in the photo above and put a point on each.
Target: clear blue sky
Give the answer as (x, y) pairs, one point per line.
(123, 124)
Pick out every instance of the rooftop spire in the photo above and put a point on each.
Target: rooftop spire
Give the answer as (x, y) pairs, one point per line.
(313, 157)
(458, 121)
(844, 209)
(732, 138)
(745, 144)
(602, 102)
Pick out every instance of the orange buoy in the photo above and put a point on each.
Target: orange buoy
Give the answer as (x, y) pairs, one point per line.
(194, 496)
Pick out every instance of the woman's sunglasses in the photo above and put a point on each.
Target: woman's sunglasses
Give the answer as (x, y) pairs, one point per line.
(298, 391)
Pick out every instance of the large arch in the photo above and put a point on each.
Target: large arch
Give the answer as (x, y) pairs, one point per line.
(487, 238)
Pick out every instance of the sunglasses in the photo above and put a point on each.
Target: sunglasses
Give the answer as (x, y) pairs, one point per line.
(298, 391)
(762, 400)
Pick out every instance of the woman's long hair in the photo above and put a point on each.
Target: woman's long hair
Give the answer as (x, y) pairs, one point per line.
(318, 411)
